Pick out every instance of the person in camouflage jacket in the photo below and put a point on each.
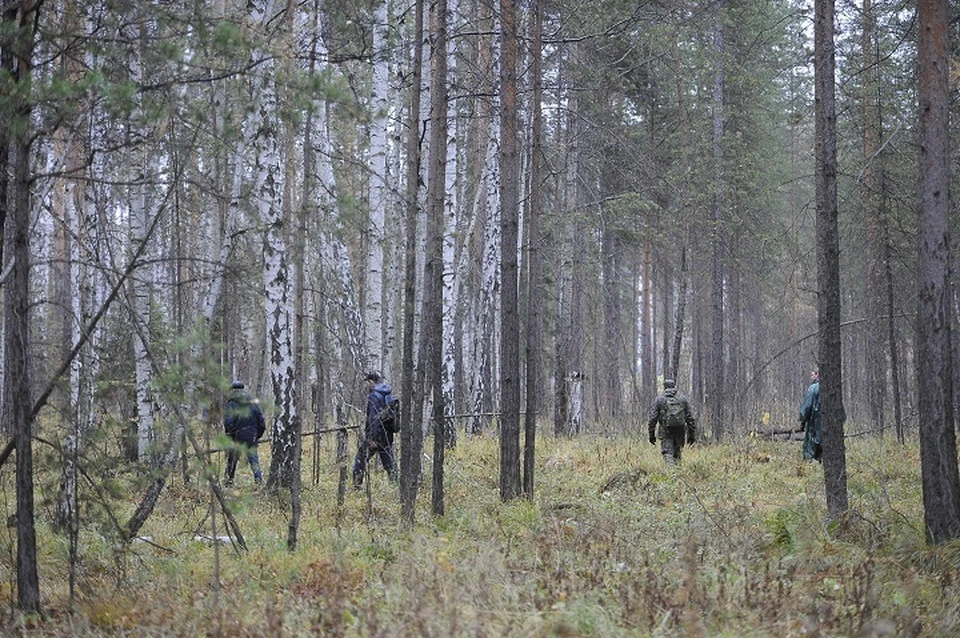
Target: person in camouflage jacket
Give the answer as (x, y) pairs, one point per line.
(671, 420)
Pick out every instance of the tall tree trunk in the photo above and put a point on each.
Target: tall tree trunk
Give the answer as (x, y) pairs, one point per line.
(674, 370)
(18, 408)
(612, 371)
(509, 317)
(875, 358)
(294, 215)
(140, 286)
(828, 264)
(411, 431)
(666, 272)
(938, 443)
(451, 216)
(647, 346)
(535, 278)
(433, 273)
(379, 187)
(716, 381)
(274, 216)
(7, 67)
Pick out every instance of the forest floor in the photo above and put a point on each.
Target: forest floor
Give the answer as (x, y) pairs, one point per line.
(735, 542)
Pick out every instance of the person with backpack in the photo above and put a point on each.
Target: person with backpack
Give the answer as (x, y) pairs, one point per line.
(382, 420)
(244, 423)
(810, 419)
(672, 413)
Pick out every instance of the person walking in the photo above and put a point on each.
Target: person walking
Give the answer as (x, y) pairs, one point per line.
(810, 419)
(671, 420)
(376, 439)
(244, 423)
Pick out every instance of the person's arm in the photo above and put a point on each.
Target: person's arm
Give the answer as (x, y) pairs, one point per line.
(229, 418)
(261, 422)
(373, 428)
(806, 407)
(691, 422)
(652, 421)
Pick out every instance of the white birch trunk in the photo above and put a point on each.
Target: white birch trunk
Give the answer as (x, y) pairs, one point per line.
(485, 343)
(277, 280)
(451, 279)
(223, 237)
(379, 103)
(140, 287)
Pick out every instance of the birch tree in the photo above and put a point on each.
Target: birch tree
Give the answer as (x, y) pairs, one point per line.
(379, 187)
(140, 287)
(268, 194)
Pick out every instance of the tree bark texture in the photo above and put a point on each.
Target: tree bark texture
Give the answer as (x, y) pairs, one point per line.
(433, 275)
(716, 380)
(17, 301)
(509, 205)
(411, 431)
(938, 444)
(535, 272)
(828, 264)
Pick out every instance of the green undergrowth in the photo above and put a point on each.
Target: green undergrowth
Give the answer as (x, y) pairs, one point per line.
(735, 542)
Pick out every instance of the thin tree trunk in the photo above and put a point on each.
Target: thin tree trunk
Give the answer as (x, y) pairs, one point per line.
(509, 317)
(295, 217)
(679, 317)
(828, 265)
(716, 387)
(433, 273)
(535, 278)
(411, 432)
(875, 288)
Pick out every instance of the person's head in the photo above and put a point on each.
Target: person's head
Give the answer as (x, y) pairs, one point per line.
(669, 384)
(814, 375)
(237, 385)
(372, 378)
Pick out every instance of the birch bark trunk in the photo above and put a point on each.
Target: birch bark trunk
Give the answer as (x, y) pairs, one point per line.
(379, 181)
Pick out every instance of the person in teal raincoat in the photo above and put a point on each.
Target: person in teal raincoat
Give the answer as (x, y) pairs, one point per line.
(810, 419)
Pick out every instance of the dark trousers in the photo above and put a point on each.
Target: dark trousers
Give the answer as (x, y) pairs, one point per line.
(671, 446)
(363, 457)
(233, 456)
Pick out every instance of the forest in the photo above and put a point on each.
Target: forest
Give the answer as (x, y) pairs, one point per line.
(525, 216)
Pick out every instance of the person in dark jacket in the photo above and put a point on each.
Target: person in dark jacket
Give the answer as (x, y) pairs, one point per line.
(810, 419)
(374, 440)
(244, 424)
(671, 419)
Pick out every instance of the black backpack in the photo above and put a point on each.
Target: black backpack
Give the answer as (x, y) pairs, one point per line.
(674, 416)
(390, 413)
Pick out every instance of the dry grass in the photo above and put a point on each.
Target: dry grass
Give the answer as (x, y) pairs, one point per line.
(734, 543)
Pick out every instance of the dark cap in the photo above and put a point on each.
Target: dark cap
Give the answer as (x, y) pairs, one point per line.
(373, 375)
(237, 385)
(669, 383)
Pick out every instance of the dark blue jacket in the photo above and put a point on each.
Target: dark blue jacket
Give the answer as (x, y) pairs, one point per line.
(810, 419)
(376, 402)
(243, 419)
